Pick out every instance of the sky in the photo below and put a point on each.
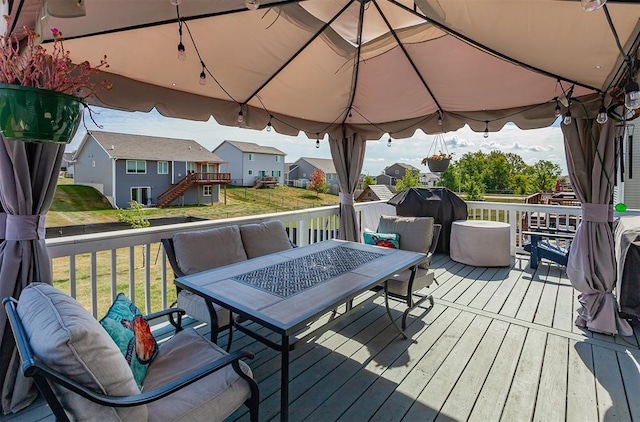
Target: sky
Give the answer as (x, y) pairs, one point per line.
(532, 145)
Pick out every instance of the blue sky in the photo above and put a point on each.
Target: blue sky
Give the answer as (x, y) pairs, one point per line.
(531, 145)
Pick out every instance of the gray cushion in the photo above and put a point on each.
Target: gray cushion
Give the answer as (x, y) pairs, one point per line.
(195, 306)
(399, 283)
(212, 398)
(415, 233)
(68, 339)
(264, 238)
(206, 249)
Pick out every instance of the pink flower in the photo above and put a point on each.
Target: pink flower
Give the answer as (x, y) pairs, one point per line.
(54, 31)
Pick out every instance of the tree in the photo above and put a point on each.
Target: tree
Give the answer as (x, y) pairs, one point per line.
(135, 216)
(367, 181)
(543, 175)
(409, 180)
(498, 172)
(450, 179)
(318, 183)
(474, 188)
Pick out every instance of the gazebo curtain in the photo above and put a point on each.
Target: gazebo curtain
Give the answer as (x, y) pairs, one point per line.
(28, 178)
(348, 158)
(591, 266)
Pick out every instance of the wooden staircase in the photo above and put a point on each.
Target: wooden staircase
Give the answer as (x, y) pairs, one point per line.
(176, 191)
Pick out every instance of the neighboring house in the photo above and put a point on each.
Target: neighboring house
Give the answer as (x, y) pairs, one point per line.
(385, 179)
(395, 172)
(429, 180)
(67, 164)
(148, 169)
(302, 169)
(375, 193)
(628, 191)
(251, 163)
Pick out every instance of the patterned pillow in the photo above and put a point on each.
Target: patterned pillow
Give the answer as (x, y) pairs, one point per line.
(387, 240)
(131, 333)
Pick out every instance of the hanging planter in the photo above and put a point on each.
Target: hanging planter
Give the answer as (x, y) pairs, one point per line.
(440, 158)
(439, 165)
(38, 115)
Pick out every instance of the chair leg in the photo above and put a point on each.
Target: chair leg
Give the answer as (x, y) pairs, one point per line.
(230, 334)
(414, 305)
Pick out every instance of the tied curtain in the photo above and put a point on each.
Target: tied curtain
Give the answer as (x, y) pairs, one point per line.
(348, 158)
(28, 178)
(591, 265)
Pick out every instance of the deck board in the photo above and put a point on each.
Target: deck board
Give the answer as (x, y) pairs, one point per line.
(499, 344)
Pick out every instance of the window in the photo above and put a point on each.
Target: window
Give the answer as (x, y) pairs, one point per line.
(206, 190)
(250, 172)
(141, 195)
(163, 167)
(278, 158)
(275, 173)
(397, 171)
(252, 157)
(191, 167)
(136, 166)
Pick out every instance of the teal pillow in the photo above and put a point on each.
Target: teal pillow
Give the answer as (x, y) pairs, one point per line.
(388, 240)
(131, 333)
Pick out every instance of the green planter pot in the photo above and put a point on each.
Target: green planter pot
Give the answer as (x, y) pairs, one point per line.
(38, 115)
(438, 166)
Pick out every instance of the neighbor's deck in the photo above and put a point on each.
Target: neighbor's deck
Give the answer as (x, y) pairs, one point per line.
(500, 344)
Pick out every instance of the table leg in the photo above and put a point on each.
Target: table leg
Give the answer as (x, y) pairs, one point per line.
(386, 304)
(284, 381)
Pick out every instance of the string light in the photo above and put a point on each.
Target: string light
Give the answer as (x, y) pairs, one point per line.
(602, 113)
(252, 4)
(350, 114)
(269, 124)
(182, 56)
(558, 112)
(174, 2)
(317, 140)
(439, 118)
(203, 76)
(632, 95)
(567, 118)
(486, 129)
(240, 115)
(389, 142)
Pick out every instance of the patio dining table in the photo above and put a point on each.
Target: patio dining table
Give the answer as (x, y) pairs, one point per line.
(287, 291)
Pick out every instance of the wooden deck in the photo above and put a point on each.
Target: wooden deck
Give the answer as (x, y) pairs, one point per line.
(499, 344)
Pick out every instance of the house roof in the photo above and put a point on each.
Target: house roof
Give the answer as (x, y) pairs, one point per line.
(381, 191)
(143, 147)
(324, 164)
(406, 166)
(252, 148)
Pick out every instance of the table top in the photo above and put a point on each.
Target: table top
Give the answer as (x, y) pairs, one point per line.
(480, 223)
(287, 289)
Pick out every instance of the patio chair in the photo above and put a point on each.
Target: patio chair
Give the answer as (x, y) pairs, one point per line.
(540, 246)
(83, 375)
(417, 234)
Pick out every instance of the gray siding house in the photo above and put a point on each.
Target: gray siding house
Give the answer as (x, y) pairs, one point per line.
(394, 172)
(251, 163)
(147, 169)
(302, 169)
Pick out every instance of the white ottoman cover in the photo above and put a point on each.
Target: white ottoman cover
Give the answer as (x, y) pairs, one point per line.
(480, 243)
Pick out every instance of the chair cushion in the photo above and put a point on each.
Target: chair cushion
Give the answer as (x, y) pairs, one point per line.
(399, 283)
(212, 398)
(386, 240)
(195, 306)
(264, 238)
(65, 337)
(206, 249)
(415, 233)
(132, 334)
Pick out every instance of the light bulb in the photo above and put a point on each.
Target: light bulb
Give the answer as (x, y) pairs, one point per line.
(182, 56)
(558, 112)
(486, 133)
(389, 142)
(252, 4)
(591, 5)
(269, 126)
(567, 118)
(317, 143)
(439, 120)
(174, 2)
(203, 78)
(602, 116)
(632, 95)
(240, 117)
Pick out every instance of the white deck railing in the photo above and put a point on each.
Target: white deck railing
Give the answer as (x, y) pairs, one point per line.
(95, 267)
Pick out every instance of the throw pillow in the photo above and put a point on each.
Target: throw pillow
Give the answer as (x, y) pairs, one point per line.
(387, 240)
(131, 333)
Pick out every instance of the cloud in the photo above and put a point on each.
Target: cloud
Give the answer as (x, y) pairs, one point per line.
(518, 146)
(457, 142)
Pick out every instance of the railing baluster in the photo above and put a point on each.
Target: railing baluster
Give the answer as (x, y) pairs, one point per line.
(114, 274)
(132, 274)
(94, 284)
(72, 276)
(147, 277)
(163, 278)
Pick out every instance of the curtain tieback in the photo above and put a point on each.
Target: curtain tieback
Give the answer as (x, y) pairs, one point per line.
(597, 213)
(346, 198)
(3, 225)
(25, 227)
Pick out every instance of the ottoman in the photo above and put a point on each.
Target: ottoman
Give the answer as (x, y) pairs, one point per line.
(481, 243)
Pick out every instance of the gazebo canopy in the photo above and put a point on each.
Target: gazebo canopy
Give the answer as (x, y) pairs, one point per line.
(347, 66)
